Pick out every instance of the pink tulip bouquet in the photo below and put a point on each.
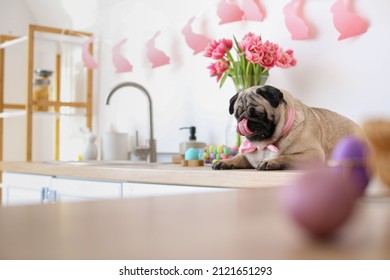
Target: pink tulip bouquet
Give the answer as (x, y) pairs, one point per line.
(253, 61)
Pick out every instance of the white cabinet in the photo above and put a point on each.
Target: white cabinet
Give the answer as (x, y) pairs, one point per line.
(78, 190)
(24, 188)
(20, 188)
(144, 189)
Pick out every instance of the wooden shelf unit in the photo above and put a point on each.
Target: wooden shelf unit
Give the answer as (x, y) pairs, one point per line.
(56, 105)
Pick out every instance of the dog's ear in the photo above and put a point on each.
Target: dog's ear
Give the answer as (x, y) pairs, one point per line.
(273, 95)
(232, 102)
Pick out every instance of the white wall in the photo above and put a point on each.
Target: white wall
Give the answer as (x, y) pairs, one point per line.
(348, 76)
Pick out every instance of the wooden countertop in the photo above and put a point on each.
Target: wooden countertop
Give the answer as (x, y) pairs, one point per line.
(239, 224)
(155, 173)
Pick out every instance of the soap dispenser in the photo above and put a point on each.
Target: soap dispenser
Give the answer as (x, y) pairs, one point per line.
(191, 143)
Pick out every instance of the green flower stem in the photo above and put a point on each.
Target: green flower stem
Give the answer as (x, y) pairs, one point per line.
(229, 57)
(256, 74)
(249, 75)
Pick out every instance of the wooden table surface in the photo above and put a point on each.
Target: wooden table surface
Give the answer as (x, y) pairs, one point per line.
(236, 224)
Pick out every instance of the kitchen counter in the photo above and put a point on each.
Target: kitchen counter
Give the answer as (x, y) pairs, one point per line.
(247, 223)
(155, 173)
(239, 224)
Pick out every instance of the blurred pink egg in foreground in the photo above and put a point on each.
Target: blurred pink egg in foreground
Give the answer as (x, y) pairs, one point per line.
(320, 201)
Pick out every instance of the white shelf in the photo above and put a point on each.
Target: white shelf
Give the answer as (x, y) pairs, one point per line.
(22, 113)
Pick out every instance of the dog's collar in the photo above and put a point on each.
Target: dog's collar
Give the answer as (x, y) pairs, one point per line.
(247, 146)
(290, 121)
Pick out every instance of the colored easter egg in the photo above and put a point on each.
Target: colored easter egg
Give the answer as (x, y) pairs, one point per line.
(191, 154)
(226, 150)
(351, 153)
(219, 149)
(320, 201)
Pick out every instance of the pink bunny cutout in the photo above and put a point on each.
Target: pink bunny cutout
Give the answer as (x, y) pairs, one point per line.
(197, 42)
(253, 10)
(121, 63)
(346, 21)
(228, 12)
(87, 58)
(155, 56)
(295, 23)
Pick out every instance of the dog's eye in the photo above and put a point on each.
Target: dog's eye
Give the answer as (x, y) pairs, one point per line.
(238, 112)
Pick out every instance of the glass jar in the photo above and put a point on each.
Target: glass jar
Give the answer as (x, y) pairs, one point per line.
(42, 89)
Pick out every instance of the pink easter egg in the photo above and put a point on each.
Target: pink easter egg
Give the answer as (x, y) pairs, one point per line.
(320, 201)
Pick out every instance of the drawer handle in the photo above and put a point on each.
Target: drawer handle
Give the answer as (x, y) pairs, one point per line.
(48, 195)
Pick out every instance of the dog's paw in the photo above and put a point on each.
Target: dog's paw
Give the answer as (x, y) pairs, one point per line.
(221, 164)
(270, 165)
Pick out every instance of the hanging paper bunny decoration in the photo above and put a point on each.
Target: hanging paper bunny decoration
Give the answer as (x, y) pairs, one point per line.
(294, 20)
(346, 21)
(229, 12)
(197, 42)
(87, 58)
(253, 10)
(120, 62)
(155, 56)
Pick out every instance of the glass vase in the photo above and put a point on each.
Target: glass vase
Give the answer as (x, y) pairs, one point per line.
(242, 82)
(232, 138)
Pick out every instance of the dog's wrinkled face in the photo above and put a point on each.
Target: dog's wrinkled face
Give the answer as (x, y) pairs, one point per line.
(256, 110)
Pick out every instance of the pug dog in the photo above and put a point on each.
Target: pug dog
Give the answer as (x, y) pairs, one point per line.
(280, 132)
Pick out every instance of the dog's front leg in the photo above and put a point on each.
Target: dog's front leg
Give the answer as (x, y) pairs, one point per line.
(293, 161)
(237, 162)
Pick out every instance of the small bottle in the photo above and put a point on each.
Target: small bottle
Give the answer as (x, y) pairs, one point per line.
(42, 88)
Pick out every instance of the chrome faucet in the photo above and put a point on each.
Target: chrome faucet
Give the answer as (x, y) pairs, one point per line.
(151, 150)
